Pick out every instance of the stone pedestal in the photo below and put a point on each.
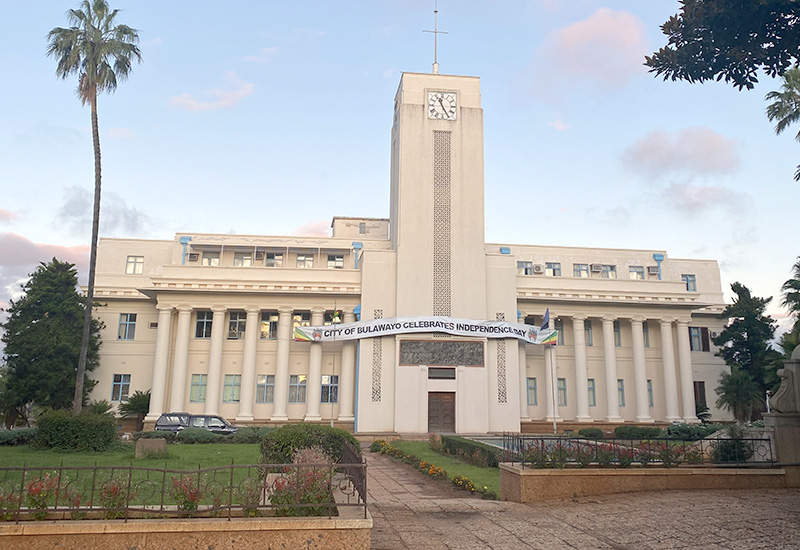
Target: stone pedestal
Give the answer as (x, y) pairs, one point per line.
(786, 435)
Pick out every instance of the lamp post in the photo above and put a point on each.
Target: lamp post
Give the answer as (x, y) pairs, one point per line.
(335, 320)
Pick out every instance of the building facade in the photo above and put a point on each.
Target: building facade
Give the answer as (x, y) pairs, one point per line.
(206, 322)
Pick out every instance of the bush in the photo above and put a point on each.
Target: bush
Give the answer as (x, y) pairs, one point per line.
(591, 433)
(691, 432)
(637, 432)
(249, 434)
(474, 452)
(378, 445)
(169, 436)
(278, 445)
(20, 436)
(306, 485)
(733, 449)
(198, 435)
(85, 432)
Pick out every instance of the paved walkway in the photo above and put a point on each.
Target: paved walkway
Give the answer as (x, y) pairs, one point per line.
(412, 511)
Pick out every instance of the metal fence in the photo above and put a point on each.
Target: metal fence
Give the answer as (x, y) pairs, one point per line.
(557, 452)
(128, 492)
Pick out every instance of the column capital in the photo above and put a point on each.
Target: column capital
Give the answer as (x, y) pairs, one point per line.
(252, 309)
(318, 310)
(608, 319)
(684, 321)
(284, 310)
(164, 307)
(579, 317)
(666, 320)
(639, 319)
(183, 308)
(219, 309)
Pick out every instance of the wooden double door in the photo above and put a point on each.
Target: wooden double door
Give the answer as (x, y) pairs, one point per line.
(441, 412)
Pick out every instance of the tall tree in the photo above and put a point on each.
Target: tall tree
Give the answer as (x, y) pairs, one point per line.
(42, 339)
(100, 52)
(791, 290)
(739, 394)
(785, 107)
(730, 40)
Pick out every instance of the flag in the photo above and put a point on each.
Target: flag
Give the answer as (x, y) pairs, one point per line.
(546, 320)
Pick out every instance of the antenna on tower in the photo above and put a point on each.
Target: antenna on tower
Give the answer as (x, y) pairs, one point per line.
(436, 32)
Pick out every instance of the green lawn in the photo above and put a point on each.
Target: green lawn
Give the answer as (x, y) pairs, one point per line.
(480, 476)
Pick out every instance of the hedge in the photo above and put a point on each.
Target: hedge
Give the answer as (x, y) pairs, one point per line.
(20, 436)
(692, 432)
(637, 432)
(85, 432)
(472, 450)
(278, 445)
(198, 435)
(591, 433)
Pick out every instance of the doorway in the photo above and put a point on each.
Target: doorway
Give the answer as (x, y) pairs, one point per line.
(441, 412)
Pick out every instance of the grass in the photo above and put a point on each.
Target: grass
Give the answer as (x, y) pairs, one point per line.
(480, 476)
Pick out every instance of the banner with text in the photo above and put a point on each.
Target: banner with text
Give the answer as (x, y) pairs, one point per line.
(410, 325)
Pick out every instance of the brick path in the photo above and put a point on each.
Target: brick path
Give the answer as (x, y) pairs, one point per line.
(412, 511)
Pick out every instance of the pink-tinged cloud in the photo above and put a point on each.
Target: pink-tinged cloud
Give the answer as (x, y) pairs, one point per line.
(557, 124)
(319, 228)
(265, 55)
(236, 91)
(691, 199)
(7, 216)
(688, 154)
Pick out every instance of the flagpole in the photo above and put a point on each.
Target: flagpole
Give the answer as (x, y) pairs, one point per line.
(551, 350)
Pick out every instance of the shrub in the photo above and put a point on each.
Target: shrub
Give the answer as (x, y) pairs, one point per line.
(591, 433)
(605, 455)
(305, 485)
(113, 495)
(691, 432)
(733, 449)
(463, 482)
(278, 445)
(20, 436)
(625, 457)
(644, 454)
(559, 455)
(584, 456)
(187, 491)
(637, 432)
(378, 446)
(198, 435)
(248, 434)
(473, 452)
(670, 456)
(536, 456)
(85, 432)
(435, 443)
(169, 436)
(39, 493)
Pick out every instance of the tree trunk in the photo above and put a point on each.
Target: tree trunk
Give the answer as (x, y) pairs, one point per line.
(87, 318)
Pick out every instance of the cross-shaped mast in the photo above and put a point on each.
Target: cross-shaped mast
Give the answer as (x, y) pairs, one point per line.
(436, 32)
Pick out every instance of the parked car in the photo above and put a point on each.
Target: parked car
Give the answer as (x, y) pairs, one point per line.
(177, 421)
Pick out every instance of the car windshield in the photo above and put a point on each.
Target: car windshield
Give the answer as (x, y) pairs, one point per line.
(169, 419)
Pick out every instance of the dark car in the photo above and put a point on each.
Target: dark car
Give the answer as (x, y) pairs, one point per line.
(175, 422)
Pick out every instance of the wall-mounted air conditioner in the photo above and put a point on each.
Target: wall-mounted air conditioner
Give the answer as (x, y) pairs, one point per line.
(259, 256)
(652, 270)
(597, 268)
(538, 269)
(194, 256)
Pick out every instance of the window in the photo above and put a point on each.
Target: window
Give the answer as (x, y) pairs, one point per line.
(533, 399)
(608, 272)
(335, 261)
(559, 326)
(242, 259)
(197, 393)
(236, 325)
(650, 392)
(330, 388)
(231, 388)
(301, 319)
(646, 334)
(203, 329)
(269, 325)
(524, 268)
(127, 326)
(636, 272)
(587, 332)
(265, 388)
(274, 259)
(562, 392)
(617, 335)
(362, 227)
(441, 373)
(210, 258)
(134, 265)
(592, 393)
(621, 391)
(552, 269)
(691, 282)
(698, 339)
(305, 261)
(580, 270)
(700, 394)
(120, 387)
(329, 317)
(297, 388)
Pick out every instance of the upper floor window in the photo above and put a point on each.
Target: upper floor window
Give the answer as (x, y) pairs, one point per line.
(210, 258)
(698, 339)
(587, 331)
(301, 319)
(608, 272)
(335, 261)
(242, 259)
(265, 388)
(524, 268)
(134, 265)
(552, 269)
(691, 282)
(120, 387)
(580, 270)
(617, 335)
(646, 334)
(236, 325)
(269, 325)
(274, 259)
(362, 227)
(203, 328)
(305, 261)
(127, 326)
(636, 272)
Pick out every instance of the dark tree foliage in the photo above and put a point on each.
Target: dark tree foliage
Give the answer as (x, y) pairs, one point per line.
(43, 338)
(730, 40)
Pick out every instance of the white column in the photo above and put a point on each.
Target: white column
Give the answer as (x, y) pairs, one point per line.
(314, 382)
(282, 366)
(550, 367)
(158, 383)
(347, 379)
(670, 382)
(214, 378)
(523, 382)
(177, 398)
(687, 380)
(252, 330)
(581, 370)
(610, 355)
(640, 371)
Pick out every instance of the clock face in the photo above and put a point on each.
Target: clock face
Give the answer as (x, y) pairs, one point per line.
(442, 105)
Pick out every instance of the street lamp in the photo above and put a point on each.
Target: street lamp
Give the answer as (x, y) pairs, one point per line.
(335, 320)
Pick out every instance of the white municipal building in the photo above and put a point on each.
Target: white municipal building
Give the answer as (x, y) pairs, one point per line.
(207, 322)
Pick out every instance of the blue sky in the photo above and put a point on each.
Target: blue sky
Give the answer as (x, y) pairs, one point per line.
(259, 117)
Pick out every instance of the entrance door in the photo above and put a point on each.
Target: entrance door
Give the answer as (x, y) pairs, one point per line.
(441, 412)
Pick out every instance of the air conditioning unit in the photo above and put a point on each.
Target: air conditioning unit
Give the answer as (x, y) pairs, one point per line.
(194, 256)
(153, 325)
(597, 268)
(652, 270)
(538, 269)
(713, 334)
(259, 256)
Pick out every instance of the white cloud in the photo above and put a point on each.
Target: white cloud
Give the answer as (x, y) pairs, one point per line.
(557, 124)
(320, 228)
(116, 217)
(266, 55)
(221, 98)
(120, 133)
(7, 216)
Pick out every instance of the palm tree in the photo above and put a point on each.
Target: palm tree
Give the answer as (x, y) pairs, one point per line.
(791, 290)
(137, 405)
(786, 105)
(100, 52)
(739, 394)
